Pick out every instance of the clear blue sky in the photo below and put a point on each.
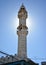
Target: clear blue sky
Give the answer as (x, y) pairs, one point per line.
(36, 39)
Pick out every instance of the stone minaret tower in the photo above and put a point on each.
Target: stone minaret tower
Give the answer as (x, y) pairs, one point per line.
(22, 32)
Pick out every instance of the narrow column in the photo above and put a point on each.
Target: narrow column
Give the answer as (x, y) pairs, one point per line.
(22, 32)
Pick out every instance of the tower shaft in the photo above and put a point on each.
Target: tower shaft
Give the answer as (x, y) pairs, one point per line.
(22, 46)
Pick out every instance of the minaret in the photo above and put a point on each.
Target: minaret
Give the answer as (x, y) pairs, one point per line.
(22, 32)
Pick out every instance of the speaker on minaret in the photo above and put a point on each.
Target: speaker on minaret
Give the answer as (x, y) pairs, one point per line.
(22, 31)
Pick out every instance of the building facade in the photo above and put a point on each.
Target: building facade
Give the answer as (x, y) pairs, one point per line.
(43, 63)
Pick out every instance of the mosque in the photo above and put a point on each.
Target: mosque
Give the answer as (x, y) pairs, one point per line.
(22, 31)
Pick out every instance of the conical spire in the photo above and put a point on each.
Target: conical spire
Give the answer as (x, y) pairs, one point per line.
(22, 6)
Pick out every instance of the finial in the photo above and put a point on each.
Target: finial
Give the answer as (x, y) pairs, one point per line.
(22, 6)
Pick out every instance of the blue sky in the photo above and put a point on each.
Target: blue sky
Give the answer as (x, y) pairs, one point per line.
(36, 38)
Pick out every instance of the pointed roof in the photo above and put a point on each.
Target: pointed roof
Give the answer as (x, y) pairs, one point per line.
(22, 8)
